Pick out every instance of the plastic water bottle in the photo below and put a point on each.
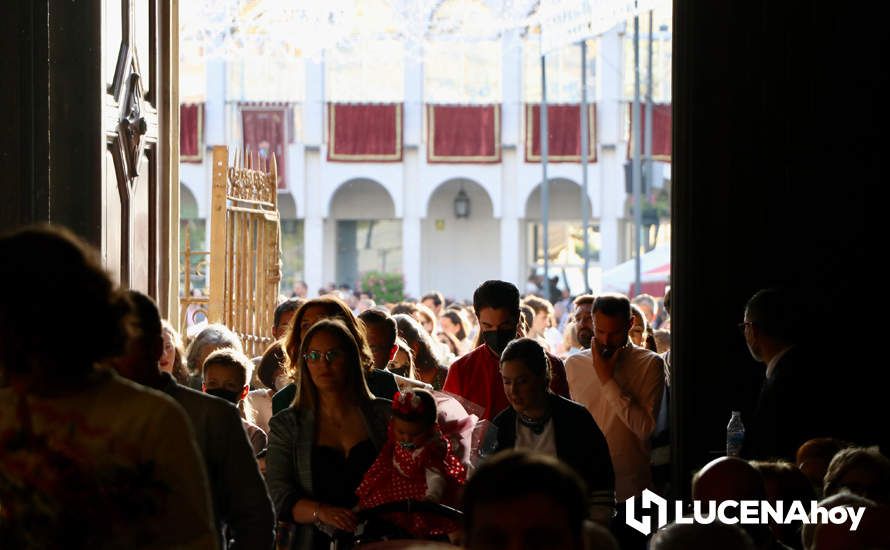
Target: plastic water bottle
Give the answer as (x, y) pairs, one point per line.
(735, 434)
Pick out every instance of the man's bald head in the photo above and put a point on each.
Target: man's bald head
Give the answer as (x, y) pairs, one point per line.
(704, 536)
(728, 478)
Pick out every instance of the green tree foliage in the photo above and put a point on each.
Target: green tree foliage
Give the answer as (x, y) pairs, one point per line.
(385, 287)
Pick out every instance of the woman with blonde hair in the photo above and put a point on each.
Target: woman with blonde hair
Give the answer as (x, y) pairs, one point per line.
(321, 446)
(173, 359)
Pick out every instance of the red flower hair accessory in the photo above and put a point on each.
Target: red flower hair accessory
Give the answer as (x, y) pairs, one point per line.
(407, 403)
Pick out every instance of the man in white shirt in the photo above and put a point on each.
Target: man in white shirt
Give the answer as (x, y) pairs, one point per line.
(621, 385)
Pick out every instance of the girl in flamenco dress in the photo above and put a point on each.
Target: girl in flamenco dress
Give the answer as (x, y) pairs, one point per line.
(416, 463)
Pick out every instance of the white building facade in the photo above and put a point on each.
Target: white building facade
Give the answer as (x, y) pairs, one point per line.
(400, 217)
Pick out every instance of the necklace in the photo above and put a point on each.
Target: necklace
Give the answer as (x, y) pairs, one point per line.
(536, 425)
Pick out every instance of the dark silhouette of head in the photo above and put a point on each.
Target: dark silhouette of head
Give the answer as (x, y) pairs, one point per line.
(518, 495)
(47, 270)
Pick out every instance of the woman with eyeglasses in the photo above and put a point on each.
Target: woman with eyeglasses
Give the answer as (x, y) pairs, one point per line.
(322, 445)
(381, 382)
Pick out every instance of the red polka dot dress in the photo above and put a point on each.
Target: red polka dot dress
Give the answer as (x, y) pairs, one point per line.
(431, 472)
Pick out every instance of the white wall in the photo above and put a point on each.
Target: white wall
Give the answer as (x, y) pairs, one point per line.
(463, 253)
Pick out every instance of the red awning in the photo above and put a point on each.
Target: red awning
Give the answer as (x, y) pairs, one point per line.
(364, 132)
(661, 124)
(264, 130)
(563, 133)
(191, 132)
(463, 133)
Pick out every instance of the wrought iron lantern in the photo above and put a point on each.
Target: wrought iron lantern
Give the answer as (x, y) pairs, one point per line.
(462, 204)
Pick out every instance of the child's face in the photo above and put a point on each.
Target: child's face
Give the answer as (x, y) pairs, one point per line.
(221, 377)
(410, 434)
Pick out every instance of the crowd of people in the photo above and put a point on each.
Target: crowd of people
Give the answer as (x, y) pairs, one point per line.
(115, 432)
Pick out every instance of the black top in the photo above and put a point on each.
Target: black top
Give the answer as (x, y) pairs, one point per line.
(789, 410)
(579, 443)
(382, 383)
(291, 467)
(336, 476)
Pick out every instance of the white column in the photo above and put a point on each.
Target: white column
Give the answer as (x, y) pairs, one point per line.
(411, 226)
(313, 252)
(313, 135)
(413, 101)
(610, 89)
(214, 107)
(313, 106)
(411, 180)
(511, 86)
(511, 251)
(315, 247)
(411, 232)
(214, 129)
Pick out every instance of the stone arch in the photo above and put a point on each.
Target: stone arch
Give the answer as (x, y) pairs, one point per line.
(481, 202)
(287, 206)
(468, 246)
(188, 204)
(361, 199)
(564, 204)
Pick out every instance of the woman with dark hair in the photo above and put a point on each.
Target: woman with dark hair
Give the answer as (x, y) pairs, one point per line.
(402, 362)
(426, 367)
(426, 318)
(321, 446)
(87, 459)
(454, 324)
(640, 332)
(451, 345)
(381, 382)
(539, 420)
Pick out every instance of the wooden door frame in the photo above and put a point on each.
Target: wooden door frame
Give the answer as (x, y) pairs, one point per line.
(168, 294)
(53, 149)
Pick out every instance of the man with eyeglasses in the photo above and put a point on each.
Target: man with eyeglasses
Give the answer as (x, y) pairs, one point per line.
(787, 412)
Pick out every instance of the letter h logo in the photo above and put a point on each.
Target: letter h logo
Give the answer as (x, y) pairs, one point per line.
(649, 500)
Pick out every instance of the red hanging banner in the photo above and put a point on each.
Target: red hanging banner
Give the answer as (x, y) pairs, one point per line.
(364, 132)
(191, 132)
(661, 125)
(563, 133)
(265, 132)
(463, 134)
